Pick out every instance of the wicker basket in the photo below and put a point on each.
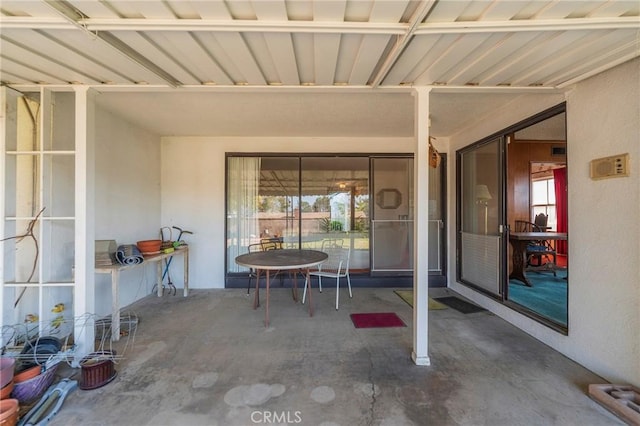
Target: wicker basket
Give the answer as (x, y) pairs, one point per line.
(30, 390)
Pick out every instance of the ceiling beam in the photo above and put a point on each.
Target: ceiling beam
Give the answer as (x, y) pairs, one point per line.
(133, 88)
(573, 24)
(419, 16)
(74, 18)
(194, 25)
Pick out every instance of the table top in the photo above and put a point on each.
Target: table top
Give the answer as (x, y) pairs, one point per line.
(538, 236)
(282, 259)
(106, 269)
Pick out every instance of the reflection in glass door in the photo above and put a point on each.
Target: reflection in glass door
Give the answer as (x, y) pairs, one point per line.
(335, 206)
(262, 201)
(480, 242)
(392, 215)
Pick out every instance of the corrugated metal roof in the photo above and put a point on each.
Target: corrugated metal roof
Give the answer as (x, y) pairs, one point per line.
(333, 43)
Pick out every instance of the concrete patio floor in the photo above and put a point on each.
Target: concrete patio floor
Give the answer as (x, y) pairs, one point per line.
(208, 360)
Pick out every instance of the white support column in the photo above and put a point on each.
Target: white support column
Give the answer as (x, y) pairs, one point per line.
(8, 137)
(421, 230)
(84, 292)
(4, 108)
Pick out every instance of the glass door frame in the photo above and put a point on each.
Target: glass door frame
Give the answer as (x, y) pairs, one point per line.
(505, 134)
(501, 210)
(438, 278)
(236, 279)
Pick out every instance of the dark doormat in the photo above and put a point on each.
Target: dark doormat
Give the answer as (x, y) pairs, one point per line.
(460, 305)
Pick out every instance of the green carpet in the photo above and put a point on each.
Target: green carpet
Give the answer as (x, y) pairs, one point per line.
(547, 297)
(407, 296)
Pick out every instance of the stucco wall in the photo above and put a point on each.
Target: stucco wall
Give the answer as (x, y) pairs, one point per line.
(193, 189)
(127, 200)
(603, 118)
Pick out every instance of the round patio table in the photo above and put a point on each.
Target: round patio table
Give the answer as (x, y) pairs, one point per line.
(281, 260)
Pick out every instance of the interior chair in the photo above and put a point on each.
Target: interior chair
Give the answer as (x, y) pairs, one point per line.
(271, 243)
(540, 221)
(538, 250)
(336, 266)
(332, 243)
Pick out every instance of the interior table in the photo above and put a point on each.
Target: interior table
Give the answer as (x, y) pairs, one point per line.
(520, 241)
(114, 270)
(281, 260)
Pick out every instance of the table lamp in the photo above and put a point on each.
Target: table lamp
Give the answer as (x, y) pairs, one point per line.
(483, 196)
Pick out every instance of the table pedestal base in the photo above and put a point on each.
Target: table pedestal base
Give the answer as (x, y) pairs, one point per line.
(294, 291)
(519, 261)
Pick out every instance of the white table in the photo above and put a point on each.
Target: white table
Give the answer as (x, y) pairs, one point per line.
(281, 260)
(115, 270)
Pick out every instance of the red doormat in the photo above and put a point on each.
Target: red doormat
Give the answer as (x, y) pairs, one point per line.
(377, 320)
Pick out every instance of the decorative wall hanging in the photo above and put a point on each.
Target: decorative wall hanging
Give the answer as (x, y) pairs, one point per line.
(434, 155)
(388, 198)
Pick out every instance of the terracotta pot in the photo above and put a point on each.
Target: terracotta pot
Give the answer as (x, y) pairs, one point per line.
(149, 246)
(12, 420)
(9, 411)
(7, 365)
(5, 392)
(27, 374)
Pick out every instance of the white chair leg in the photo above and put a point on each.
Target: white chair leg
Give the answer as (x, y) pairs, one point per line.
(320, 283)
(304, 293)
(337, 291)
(349, 284)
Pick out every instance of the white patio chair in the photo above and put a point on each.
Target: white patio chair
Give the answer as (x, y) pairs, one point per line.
(336, 266)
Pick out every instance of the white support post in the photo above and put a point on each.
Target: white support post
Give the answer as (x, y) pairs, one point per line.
(8, 136)
(3, 190)
(84, 291)
(421, 230)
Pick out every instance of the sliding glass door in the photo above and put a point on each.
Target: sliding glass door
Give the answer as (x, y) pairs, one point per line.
(392, 220)
(262, 202)
(481, 244)
(437, 216)
(512, 217)
(335, 205)
(537, 196)
(300, 201)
